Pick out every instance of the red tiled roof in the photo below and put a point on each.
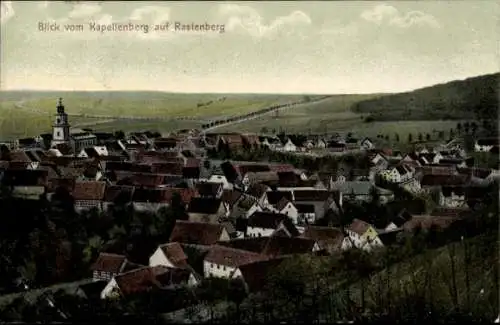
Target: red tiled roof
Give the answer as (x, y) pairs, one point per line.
(232, 139)
(140, 280)
(107, 262)
(251, 244)
(279, 168)
(201, 233)
(175, 254)
(251, 139)
(89, 190)
(221, 255)
(66, 183)
(328, 238)
(168, 167)
(113, 192)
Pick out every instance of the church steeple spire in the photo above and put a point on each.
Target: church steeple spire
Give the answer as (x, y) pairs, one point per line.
(60, 106)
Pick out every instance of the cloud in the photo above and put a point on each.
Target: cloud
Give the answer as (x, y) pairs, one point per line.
(43, 4)
(157, 14)
(249, 20)
(386, 14)
(6, 11)
(84, 10)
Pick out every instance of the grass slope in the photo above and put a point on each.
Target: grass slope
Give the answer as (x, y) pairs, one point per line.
(429, 277)
(471, 98)
(334, 114)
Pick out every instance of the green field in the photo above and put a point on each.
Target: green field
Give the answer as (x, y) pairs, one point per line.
(153, 104)
(28, 113)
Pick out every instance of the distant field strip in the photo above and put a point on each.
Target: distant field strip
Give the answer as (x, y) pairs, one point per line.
(161, 107)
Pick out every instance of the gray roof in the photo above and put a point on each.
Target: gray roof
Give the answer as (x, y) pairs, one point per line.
(358, 187)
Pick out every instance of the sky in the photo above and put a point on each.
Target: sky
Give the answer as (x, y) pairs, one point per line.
(262, 47)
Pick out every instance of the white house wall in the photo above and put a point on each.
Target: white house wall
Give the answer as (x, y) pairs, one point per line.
(108, 289)
(259, 232)
(218, 271)
(159, 258)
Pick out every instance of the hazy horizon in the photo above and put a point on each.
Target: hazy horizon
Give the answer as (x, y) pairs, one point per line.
(235, 93)
(266, 48)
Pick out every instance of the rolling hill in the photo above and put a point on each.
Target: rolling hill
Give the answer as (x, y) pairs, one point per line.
(472, 98)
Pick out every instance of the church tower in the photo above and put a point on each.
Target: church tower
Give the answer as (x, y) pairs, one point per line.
(60, 129)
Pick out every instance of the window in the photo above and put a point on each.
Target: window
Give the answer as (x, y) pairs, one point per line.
(58, 133)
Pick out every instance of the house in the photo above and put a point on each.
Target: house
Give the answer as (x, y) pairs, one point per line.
(397, 174)
(452, 196)
(230, 198)
(398, 220)
(366, 144)
(198, 233)
(169, 255)
(224, 262)
(363, 235)
(93, 152)
(145, 279)
(287, 208)
(486, 144)
(250, 244)
(264, 224)
(315, 198)
(231, 141)
(221, 179)
(306, 213)
(273, 197)
(362, 191)
(258, 191)
(203, 209)
(289, 146)
(88, 195)
(320, 143)
(107, 266)
(255, 206)
(336, 146)
(210, 189)
(271, 142)
(268, 177)
(430, 158)
(329, 239)
(150, 199)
